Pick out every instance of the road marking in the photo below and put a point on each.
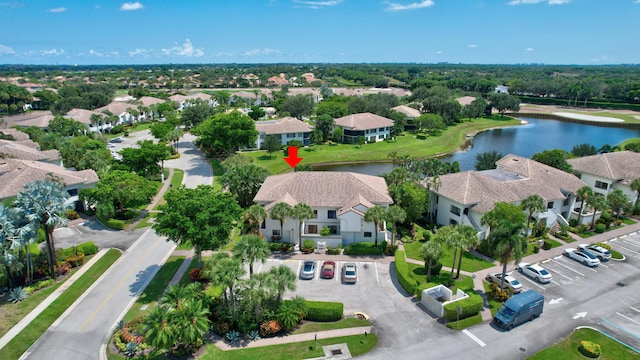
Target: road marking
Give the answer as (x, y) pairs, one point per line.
(634, 309)
(628, 318)
(577, 272)
(299, 264)
(553, 281)
(375, 264)
(335, 271)
(603, 265)
(474, 338)
(622, 328)
(568, 268)
(579, 315)
(533, 282)
(627, 249)
(631, 243)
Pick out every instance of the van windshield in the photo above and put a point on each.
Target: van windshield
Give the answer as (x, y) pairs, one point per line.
(506, 312)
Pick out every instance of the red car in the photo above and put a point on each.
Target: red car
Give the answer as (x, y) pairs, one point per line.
(327, 270)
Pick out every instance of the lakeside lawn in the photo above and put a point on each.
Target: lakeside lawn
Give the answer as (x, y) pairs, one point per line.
(449, 141)
(567, 349)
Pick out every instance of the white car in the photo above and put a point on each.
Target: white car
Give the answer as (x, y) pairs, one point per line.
(534, 271)
(509, 281)
(597, 250)
(586, 258)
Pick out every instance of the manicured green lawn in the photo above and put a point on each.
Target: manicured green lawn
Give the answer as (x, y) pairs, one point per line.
(146, 221)
(470, 262)
(41, 323)
(358, 345)
(567, 349)
(313, 326)
(408, 144)
(156, 287)
(419, 273)
(465, 323)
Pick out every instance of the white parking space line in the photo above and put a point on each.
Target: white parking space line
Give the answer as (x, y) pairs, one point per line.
(553, 281)
(336, 272)
(626, 248)
(580, 264)
(628, 318)
(630, 242)
(559, 273)
(603, 265)
(474, 338)
(568, 268)
(318, 264)
(534, 282)
(299, 265)
(376, 268)
(634, 309)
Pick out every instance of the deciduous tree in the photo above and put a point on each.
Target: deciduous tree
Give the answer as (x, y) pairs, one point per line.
(223, 133)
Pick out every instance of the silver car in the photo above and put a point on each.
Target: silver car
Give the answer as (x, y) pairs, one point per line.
(308, 270)
(584, 257)
(534, 271)
(597, 250)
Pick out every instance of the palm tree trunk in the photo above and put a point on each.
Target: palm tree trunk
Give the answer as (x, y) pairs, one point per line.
(199, 253)
(453, 266)
(375, 224)
(250, 268)
(580, 212)
(504, 273)
(51, 251)
(429, 269)
(593, 219)
(459, 262)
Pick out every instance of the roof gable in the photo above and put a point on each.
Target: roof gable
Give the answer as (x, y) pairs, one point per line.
(623, 166)
(283, 126)
(363, 121)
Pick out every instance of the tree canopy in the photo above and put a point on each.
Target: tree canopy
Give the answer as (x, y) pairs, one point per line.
(119, 190)
(224, 133)
(244, 181)
(556, 158)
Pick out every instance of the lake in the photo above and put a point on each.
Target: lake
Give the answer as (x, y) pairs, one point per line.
(525, 140)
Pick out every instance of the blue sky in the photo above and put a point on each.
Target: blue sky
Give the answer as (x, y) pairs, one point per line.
(324, 31)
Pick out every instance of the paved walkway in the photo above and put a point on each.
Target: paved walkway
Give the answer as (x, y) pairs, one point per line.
(17, 328)
(150, 208)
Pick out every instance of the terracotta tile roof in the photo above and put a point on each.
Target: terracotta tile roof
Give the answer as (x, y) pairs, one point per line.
(465, 100)
(117, 107)
(409, 111)
(82, 115)
(283, 126)
(17, 134)
(40, 119)
(515, 179)
(622, 166)
(323, 188)
(148, 100)
(363, 121)
(16, 150)
(15, 174)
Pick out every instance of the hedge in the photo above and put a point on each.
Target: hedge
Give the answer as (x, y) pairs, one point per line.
(112, 223)
(407, 282)
(470, 306)
(324, 311)
(88, 248)
(425, 286)
(366, 248)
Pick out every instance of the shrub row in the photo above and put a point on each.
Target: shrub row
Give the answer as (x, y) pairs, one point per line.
(470, 306)
(365, 249)
(39, 285)
(407, 282)
(324, 311)
(88, 248)
(112, 223)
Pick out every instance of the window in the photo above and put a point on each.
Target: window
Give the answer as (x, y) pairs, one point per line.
(315, 214)
(455, 210)
(331, 214)
(381, 129)
(263, 225)
(550, 205)
(602, 185)
(566, 202)
(291, 135)
(367, 234)
(275, 232)
(312, 229)
(334, 229)
(380, 136)
(72, 192)
(453, 222)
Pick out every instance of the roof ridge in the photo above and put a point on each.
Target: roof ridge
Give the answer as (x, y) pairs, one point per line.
(606, 162)
(351, 174)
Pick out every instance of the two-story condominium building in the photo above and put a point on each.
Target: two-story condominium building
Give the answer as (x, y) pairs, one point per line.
(462, 198)
(185, 101)
(286, 129)
(370, 126)
(605, 173)
(339, 201)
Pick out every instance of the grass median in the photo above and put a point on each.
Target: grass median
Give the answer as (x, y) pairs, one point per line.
(567, 349)
(19, 344)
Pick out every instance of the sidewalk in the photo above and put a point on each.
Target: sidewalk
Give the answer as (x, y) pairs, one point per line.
(17, 328)
(154, 202)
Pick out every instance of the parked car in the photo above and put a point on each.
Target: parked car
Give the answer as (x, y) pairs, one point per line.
(118, 139)
(509, 281)
(327, 270)
(601, 253)
(308, 270)
(534, 271)
(349, 273)
(585, 257)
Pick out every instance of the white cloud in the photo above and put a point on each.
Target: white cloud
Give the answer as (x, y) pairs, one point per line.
(186, 50)
(530, 49)
(473, 46)
(550, 2)
(223, 54)
(265, 51)
(412, 6)
(52, 52)
(57, 10)
(140, 52)
(317, 4)
(132, 6)
(439, 52)
(636, 1)
(5, 50)
(94, 52)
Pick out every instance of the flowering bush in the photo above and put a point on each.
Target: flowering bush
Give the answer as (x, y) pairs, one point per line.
(268, 328)
(194, 274)
(590, 349)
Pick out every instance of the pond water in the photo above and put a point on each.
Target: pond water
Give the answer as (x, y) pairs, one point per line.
(536, 136)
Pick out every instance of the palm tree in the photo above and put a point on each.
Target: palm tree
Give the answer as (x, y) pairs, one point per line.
(96, 120)
(225, 272)
(177, 295)
(533, 203)
(597, 203)
(283, 279)
(377, 215)
(453, 241)
(301, 212)
(192, 322)
(255, 215)
(618, 201)
(257, 290)
(395, 214)
(251, 248)
(583, 194)
(43, 203)
(635, 186)
(280, 211)
(159, 330)
(431, 251)
(469, 236)
(506, 224)
(605, 148)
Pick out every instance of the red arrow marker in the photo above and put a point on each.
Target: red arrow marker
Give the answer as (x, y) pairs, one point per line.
(293, 158)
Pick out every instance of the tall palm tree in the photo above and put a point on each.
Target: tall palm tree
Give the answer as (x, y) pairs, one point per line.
(453, 241)
(377, 215)
(177, 295)
(280, 211)
(618, 201)
(583, 194)
(635, 186)
(301, 212)
(251, 248)
(469, 236)
(506, 224)
(597, 203)
(8, 243)
(431, 251)
(257, 290)
(226, 272)
(255, 215)
(43, 203)
(159, 330)
(395, 214)
(533, 203)
(283, 279)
